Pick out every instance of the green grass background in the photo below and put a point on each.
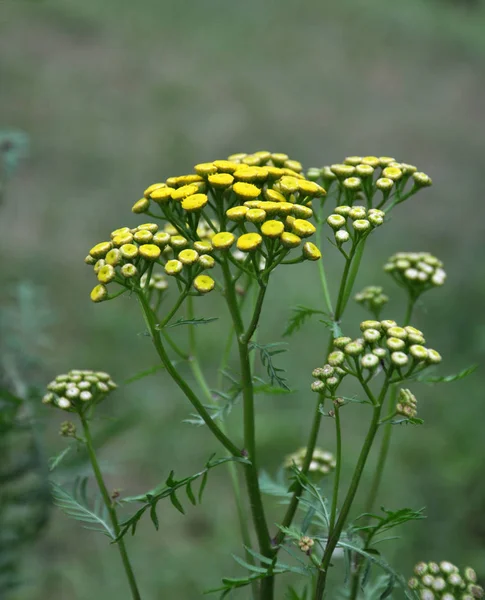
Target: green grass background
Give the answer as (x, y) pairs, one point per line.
(116, 95)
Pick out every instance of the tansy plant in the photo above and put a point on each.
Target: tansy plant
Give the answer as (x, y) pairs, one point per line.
(225, 228)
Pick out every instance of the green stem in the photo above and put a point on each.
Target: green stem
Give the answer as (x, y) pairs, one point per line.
(251, 470)
(187, 390)
(349, 498)
(338, 467)
(312, 442)
(110, 508)
(321, 271)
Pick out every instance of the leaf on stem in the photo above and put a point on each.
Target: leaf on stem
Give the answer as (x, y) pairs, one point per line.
(56, 460)
(76, 506)
(194, 321)
(266, 353)
(448, 378)
(300, 315)
(390, 520)
(143, 374)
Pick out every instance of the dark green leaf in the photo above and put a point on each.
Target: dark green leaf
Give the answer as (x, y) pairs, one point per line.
(389, 588)
(175, 501)
(154, 516)
(266, 353)
(190, 493)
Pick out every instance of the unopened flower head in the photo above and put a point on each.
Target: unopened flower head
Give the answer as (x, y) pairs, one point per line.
(372, 298)
(356, 221)
(321, 464)
(406, 404)
(306, 543)
(417, 271)
(78, 389)
(443, 581)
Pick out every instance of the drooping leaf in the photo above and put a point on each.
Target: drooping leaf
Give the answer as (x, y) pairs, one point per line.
(300, 315)
(390, 519)
(76, 506)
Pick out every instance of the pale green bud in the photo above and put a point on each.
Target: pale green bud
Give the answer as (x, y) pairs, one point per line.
(336, 221)
(369, 361)
(434, 357)
(399, 359)
(336, 358)
(395, 344)
(341, 342)
(371, 335)
(342, 236)
(317, 386)
(354, 348)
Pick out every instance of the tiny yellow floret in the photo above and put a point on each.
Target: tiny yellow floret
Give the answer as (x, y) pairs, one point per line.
(162, 195)
(290, 240)
(140, 206)
(247, 191)
(101, 249)
(143, 236)
(173, 267)
(106, 274)
(205, 168)
(223, 240)
(188, 256)
(226, 166)
(123, 238)
(272, 229)
(129, 251)
(149, 251)
(310, 188)
(120, 231)
(152, 188)
(249, 241)
(194, 203)
(237, 213)
(303, 228)
(161, 238)
(255, 215)
(221, 180)
(204, 284)
(184, 191)
(99, 293)
(311, 252)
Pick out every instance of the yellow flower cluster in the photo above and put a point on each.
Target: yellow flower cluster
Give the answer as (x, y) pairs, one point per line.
(354, 222)
(77, 390)
(365, 176)
(128, 258)
(444, 581)
(418, 271)
(383, 343)
(322, 463)
(372, 298)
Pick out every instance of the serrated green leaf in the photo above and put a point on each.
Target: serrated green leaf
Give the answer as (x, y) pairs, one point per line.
(300, 315)
(200, 321)
(448, 378)
(266, 353)
(248, 566)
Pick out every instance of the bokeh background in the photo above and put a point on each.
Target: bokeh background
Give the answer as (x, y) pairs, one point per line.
(115, 95)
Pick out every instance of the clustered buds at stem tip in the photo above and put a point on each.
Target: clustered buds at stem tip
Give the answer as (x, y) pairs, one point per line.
(77, 390)
(444, 581)
(321, 464)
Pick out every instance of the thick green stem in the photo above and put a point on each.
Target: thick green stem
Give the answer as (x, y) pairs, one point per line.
(187, 390)
(334, 535)
(250, 470)
(110, 508)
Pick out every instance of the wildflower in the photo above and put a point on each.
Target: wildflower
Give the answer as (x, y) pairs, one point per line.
(444, 581)
(204, 284)
(306, 543)
(311, 252)
(223, 240)
(416, 271)
(322, 462)
(78, 390)
(249, 242)
(272, 229)
(406, 404)
(194, 203)
(372, 298)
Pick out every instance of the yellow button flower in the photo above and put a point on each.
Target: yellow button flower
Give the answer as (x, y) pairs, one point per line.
(353, 160)
(204, 284)
(255, 215)
(249, 241)
(288, 184)
(392, 173)
(128, 271)
(274, 196)
(99, 293)
(373, 161)
(173, 267)
(129, 251)
(205, 168)
(294, 165)
(141, 206)
(251, 174)
(124, 238)
(188, 256)
(206, 261)
(221, 180)
(194, 203)
(253, 203)
(188, 179)
(272, 229)
(285, 208)
(279, 158)
(237, 213)
(237, 157)
(101, 249)
(248, 191)
(184, 191)
(149, 251)
(290, 240)
(263, 155)
(226, 166)
(223, 240)
(162, 195)
(120, 231)
(203, 246)
(152, 188)
(302, 212)
(143, 236)
(311, 252)
(151, 227)
(303, 228)
(178, 242)
(106, 274)
(274, 172)
(310, 188)
(113, 257)
(161, 238)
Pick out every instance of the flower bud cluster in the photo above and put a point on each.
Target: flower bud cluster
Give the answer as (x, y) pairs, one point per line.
(417, 271)
(77, 390)
(444, 581)
(372, 298)
(306, 543)
(406, 404)
(354, 222)
(384, 343)
(328, 377)
(322, 462)
(375, 178)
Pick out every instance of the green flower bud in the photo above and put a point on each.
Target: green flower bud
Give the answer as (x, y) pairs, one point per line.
(470, 575)
(354, 348)
(399, 359)
(369, 324)
(421, 179)
(336, 221)
(434, 357)
(384, 184)
(317, 386)
(395, 344)
(358, 212)
(336, 358)
(129, 270)
(342, 236)
(371, 335)
(369, 361)
(343, 210)
(397, 332)
(332, 382)
(341, 342)
(352, 183)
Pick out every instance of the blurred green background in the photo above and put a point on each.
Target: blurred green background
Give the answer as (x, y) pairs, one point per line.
(116, 95)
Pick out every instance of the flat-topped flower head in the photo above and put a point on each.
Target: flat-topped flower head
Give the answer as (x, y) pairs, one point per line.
(78, 390)
(322, 462)
(444, 581)
(418, 272)
(372, 298)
